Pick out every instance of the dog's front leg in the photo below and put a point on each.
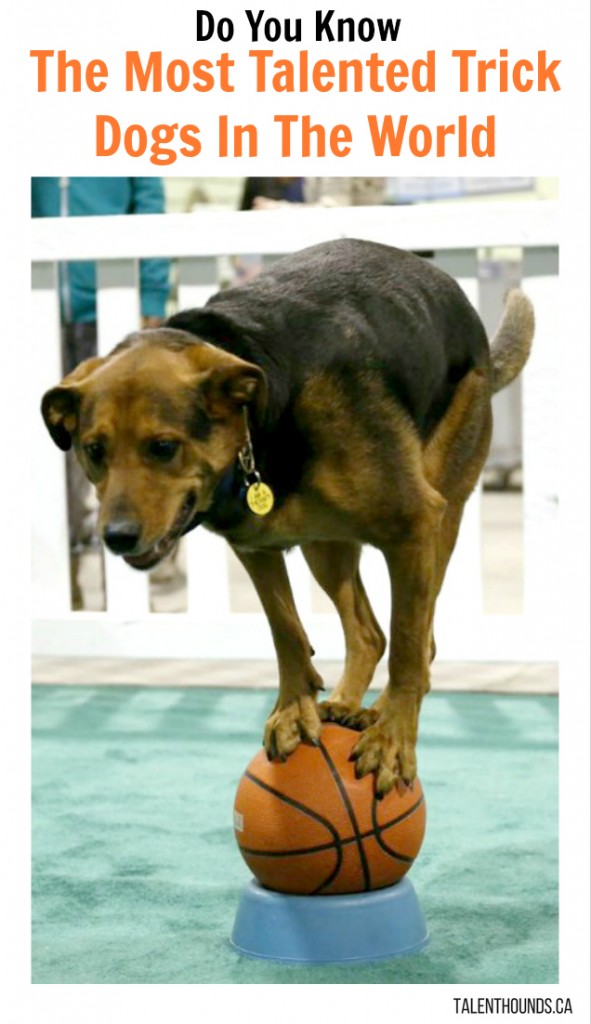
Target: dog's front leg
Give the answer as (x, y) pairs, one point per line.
(388, 743)
(295, 715)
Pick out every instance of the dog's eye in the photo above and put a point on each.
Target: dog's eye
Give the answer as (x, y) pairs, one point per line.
(95, 452)
(163, 450)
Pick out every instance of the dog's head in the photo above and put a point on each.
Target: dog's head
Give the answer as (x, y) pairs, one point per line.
(155, 425)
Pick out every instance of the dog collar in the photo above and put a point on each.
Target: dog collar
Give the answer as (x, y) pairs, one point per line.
(259, 496)
(225, 501)
(240, 488)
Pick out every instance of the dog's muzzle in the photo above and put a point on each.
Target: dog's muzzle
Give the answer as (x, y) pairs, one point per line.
(124, 537)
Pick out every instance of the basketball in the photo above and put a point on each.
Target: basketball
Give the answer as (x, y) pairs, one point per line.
(309, 826)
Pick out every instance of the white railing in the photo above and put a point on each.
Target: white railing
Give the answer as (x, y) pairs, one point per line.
(210, 628)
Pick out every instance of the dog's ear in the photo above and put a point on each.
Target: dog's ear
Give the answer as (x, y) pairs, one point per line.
(59, 406)
(231, 386)
(59, 409)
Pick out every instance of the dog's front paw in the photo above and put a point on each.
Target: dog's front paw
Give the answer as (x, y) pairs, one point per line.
(336, 711)
(388, 748)
(361, 719)
(285, 727)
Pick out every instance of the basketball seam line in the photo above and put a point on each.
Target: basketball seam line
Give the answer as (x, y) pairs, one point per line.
(378, 830)
(312, 814)
(374, 832)
(302, 851)
(294, 803)
(349, 809)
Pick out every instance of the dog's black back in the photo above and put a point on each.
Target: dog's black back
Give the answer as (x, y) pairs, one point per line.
(347, 306)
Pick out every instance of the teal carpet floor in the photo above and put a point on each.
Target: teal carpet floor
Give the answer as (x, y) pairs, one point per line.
(136, 876)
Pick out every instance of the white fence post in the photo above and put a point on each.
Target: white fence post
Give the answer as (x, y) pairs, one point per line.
(198, 278)
(300, 579)
(461, 598)
(50, 542)
(208, 584)
(118, 313)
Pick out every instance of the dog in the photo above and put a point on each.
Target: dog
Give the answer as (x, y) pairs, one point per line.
(341, 398)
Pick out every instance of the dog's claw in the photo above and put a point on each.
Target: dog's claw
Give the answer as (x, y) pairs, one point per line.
(270, 749)
(387, 750)
(287, 726)
(361, 719)
(335, 711)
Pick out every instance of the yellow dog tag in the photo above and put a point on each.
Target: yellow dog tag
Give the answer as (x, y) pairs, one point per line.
(260, 498)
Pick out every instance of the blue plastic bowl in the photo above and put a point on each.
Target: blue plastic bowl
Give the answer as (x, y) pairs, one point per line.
(362, 927)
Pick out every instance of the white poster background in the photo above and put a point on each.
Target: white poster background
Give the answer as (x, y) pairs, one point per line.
(529, 125)
(537, 134)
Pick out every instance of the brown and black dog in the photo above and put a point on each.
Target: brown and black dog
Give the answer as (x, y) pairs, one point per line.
(353, 380)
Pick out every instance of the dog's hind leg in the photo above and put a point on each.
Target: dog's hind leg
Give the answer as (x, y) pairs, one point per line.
(295, 716)
(335, 566)
(451, 463)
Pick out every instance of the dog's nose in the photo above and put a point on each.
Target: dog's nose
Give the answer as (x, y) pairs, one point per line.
(121, 537)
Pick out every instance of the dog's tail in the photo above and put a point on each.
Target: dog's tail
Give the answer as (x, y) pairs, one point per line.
(511, 344)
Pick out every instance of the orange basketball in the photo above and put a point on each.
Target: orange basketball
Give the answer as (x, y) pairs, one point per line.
(309, 826)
